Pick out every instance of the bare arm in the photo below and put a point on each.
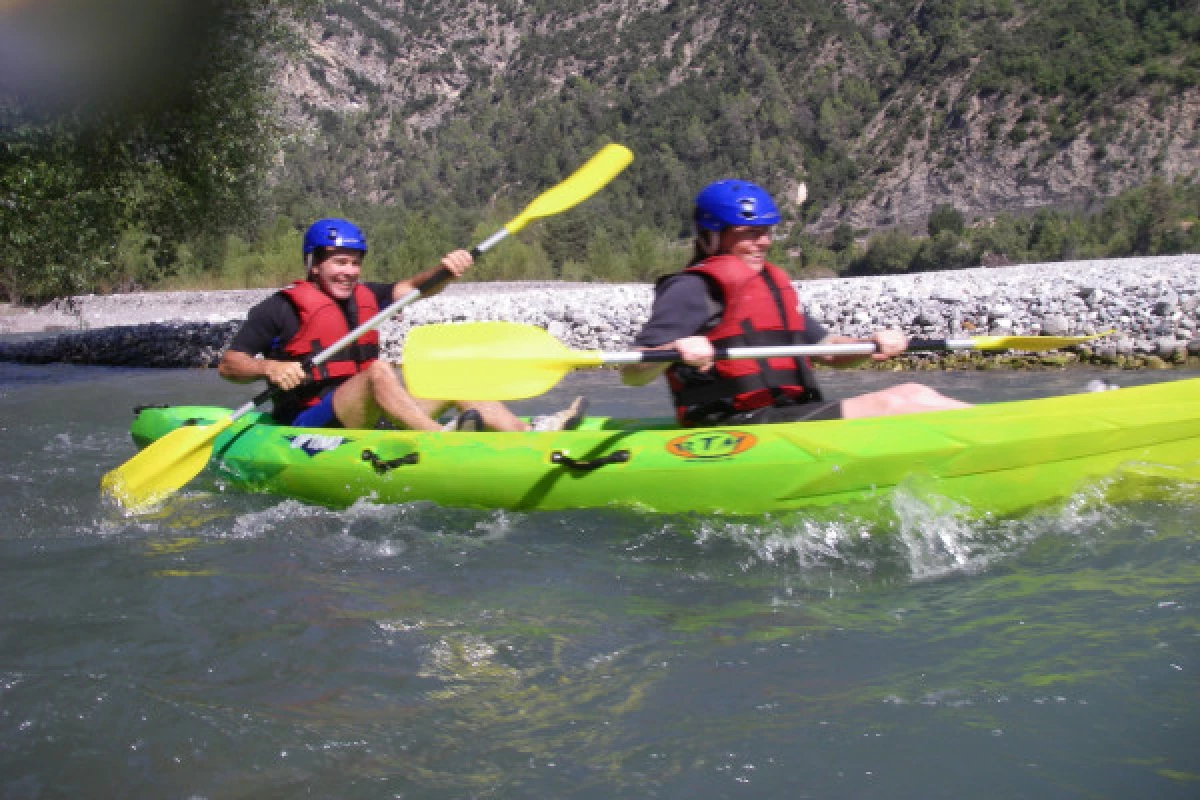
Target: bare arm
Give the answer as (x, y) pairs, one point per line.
(239, 367)
(456, 262)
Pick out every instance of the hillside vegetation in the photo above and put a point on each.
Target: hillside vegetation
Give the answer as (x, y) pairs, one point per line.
(884, 109)
(1016, 121)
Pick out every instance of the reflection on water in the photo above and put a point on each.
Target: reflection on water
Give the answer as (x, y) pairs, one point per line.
(242, 645)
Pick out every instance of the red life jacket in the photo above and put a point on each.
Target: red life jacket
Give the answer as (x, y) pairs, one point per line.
(761, 309)
(323, 322)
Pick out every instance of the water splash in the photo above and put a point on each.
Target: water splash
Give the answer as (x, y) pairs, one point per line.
(915, 533)
(938, 538)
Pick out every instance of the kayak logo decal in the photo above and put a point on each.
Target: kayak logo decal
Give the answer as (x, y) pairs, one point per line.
(711, 444)
(312, 443)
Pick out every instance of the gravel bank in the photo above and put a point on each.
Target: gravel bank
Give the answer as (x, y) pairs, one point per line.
(1151, 302)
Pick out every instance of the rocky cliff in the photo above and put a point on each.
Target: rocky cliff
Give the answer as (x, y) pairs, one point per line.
(885, 109)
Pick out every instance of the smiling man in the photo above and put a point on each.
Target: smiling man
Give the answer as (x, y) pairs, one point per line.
(731, 296)
(353, 389)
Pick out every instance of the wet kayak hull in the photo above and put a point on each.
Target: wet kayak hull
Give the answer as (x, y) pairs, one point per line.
(997, 458)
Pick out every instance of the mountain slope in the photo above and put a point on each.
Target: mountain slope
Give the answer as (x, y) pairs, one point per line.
(884, 109)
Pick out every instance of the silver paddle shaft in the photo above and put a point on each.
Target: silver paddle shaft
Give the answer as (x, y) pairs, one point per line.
(786, 351)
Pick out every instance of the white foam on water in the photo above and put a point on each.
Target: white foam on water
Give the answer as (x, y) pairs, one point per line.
(808, 542)
(938, 538)
(496, 526)
(925, 535)
(911, 533)
(259, 524)
(371, 530)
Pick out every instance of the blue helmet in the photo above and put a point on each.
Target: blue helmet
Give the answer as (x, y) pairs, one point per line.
(732, 202)
(334, 232)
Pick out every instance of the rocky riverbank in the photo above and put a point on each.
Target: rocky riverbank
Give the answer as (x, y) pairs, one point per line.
(1151, 303)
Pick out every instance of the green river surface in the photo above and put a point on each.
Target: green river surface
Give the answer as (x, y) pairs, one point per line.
(246, 646)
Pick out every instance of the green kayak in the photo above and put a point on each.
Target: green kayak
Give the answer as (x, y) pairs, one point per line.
(999, 458)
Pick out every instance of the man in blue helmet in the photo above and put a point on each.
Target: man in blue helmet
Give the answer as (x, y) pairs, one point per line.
(731, 296)
(354, 389)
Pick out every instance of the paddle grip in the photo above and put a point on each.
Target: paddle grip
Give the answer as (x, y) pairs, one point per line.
(934, 344)
(659, 356)
(435, 280)
(264, 396)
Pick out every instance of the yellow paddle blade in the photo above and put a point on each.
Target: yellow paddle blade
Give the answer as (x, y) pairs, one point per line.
(1033, 343)
(163, 467)
(487, 361)
(581, 184)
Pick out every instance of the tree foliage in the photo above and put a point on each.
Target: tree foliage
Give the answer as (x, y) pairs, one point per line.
(180, 164)
(945, 218)
(1156, 219)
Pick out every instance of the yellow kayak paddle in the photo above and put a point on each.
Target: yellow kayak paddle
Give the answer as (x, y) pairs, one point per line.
(508, 360)
(172, 461)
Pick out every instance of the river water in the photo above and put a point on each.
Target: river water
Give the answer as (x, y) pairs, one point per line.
(237, 645)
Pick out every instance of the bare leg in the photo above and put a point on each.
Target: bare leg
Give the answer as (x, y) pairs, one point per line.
(359, 401)
(907, 398)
